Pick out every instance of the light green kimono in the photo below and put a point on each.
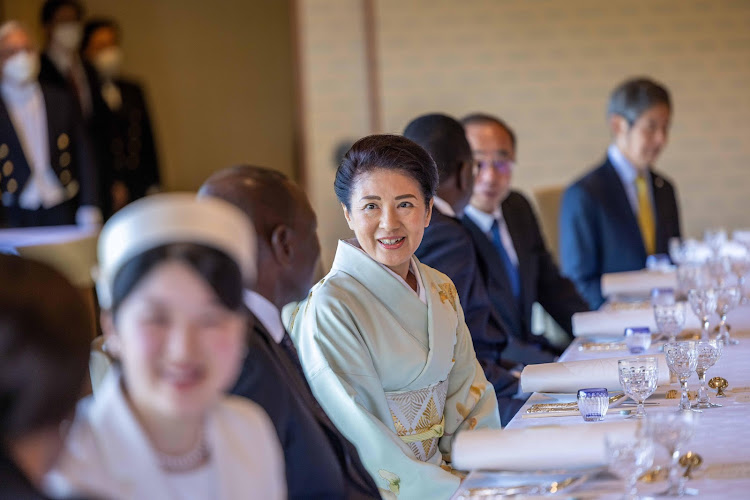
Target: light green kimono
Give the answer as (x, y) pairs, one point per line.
(381, 362)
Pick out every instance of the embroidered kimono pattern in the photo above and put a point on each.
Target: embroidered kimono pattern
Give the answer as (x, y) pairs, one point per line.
(398, 377)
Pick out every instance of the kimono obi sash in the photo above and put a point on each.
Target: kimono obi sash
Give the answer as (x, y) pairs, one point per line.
(418, 417)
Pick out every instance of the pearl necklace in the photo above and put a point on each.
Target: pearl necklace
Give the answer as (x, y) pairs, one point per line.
(185, 462)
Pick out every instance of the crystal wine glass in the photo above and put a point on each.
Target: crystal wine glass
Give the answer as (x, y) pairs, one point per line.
(703, 302)
(708, 353)
(682, 360)
(741, 268)
(638, 378)
(670, 319)
(691, 275)
(727, 298)
(720, 269)
(715, 238)
(673, 431)
(628, 458)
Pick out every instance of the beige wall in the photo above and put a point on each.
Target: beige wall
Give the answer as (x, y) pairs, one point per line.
(547, 67)
(218, 76)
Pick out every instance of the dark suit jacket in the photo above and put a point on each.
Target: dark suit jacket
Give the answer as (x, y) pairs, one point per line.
(70, 155)
(540, 279)
(14, 485)
(599, 232)
(320, 462)
(447, 246)
(130, 142)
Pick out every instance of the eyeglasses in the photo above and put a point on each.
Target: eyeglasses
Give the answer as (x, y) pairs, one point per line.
(500, 166)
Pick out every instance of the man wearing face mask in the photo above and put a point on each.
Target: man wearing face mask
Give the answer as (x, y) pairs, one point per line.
(135, 167)
(47, 173)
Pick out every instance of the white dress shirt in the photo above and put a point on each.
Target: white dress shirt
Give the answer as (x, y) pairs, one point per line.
(628, 174)
(443, 207)
(267, 313)
(28, 114)
(484, 222)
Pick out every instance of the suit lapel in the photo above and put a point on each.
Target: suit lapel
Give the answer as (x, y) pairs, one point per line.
(614, 196)
(494, 272)
(660, 201)
(515, 222)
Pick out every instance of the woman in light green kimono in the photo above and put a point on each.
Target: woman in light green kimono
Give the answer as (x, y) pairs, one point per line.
(382, 338)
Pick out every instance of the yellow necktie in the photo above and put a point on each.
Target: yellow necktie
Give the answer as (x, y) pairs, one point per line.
(646, 215)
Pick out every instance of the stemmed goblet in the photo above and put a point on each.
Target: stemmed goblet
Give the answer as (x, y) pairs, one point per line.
(670, 319)
(741, 268)
(638, 378)
(715, 238)
(628, 458)
(703, 302)
(708, 353)
(727, 298)
(682, 360)
(673, 431)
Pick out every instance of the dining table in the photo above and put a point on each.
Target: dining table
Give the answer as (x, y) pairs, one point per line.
(721, 438)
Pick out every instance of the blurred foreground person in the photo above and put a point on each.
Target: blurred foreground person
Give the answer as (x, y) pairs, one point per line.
(47, 168)
(382, 337)
(44, 352)
(170, 285)
(622, 211)
(271, 374)
(129, 142)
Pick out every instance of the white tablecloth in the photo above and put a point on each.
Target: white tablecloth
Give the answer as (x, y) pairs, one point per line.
(723, 435)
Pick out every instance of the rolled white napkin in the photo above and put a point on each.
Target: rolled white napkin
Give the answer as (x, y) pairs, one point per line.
(569, 376)
(637, 283)
(614, 323)
(537, 448)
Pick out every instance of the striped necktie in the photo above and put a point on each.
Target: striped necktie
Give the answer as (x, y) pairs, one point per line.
(646, 215)
(510, 269)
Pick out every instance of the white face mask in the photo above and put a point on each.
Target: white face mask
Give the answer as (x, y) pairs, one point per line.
(21, 68)
(108, 62)
(67, 35)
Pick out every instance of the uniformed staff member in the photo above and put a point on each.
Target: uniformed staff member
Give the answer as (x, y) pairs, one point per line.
(129, 137)
(47, 172)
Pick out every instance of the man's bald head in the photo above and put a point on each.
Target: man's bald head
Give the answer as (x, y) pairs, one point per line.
(288, 247)
(267, 196)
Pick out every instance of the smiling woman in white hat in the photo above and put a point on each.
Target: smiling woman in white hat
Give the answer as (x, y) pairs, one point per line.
(170, 285)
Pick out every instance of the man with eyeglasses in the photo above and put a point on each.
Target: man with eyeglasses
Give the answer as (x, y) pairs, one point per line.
(513, 257)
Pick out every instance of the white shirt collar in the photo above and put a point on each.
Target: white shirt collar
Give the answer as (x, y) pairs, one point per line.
(483, 220)
(623, 167)
(62, 59)
(267, 313)
(443, 207)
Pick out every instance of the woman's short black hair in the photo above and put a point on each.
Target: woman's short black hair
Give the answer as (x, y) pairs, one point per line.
(218, 270)
(45, 336)
(389, 152)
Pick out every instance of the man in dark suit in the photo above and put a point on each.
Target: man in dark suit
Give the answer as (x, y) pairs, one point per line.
(63, 67)
(129, 135)
(447, 246)
(320, 462)
(512, 254)
(47, 172)
(616, 215)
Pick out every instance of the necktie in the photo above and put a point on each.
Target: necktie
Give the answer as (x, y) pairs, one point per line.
(288, 346)
(646, 215)
(510, 269)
